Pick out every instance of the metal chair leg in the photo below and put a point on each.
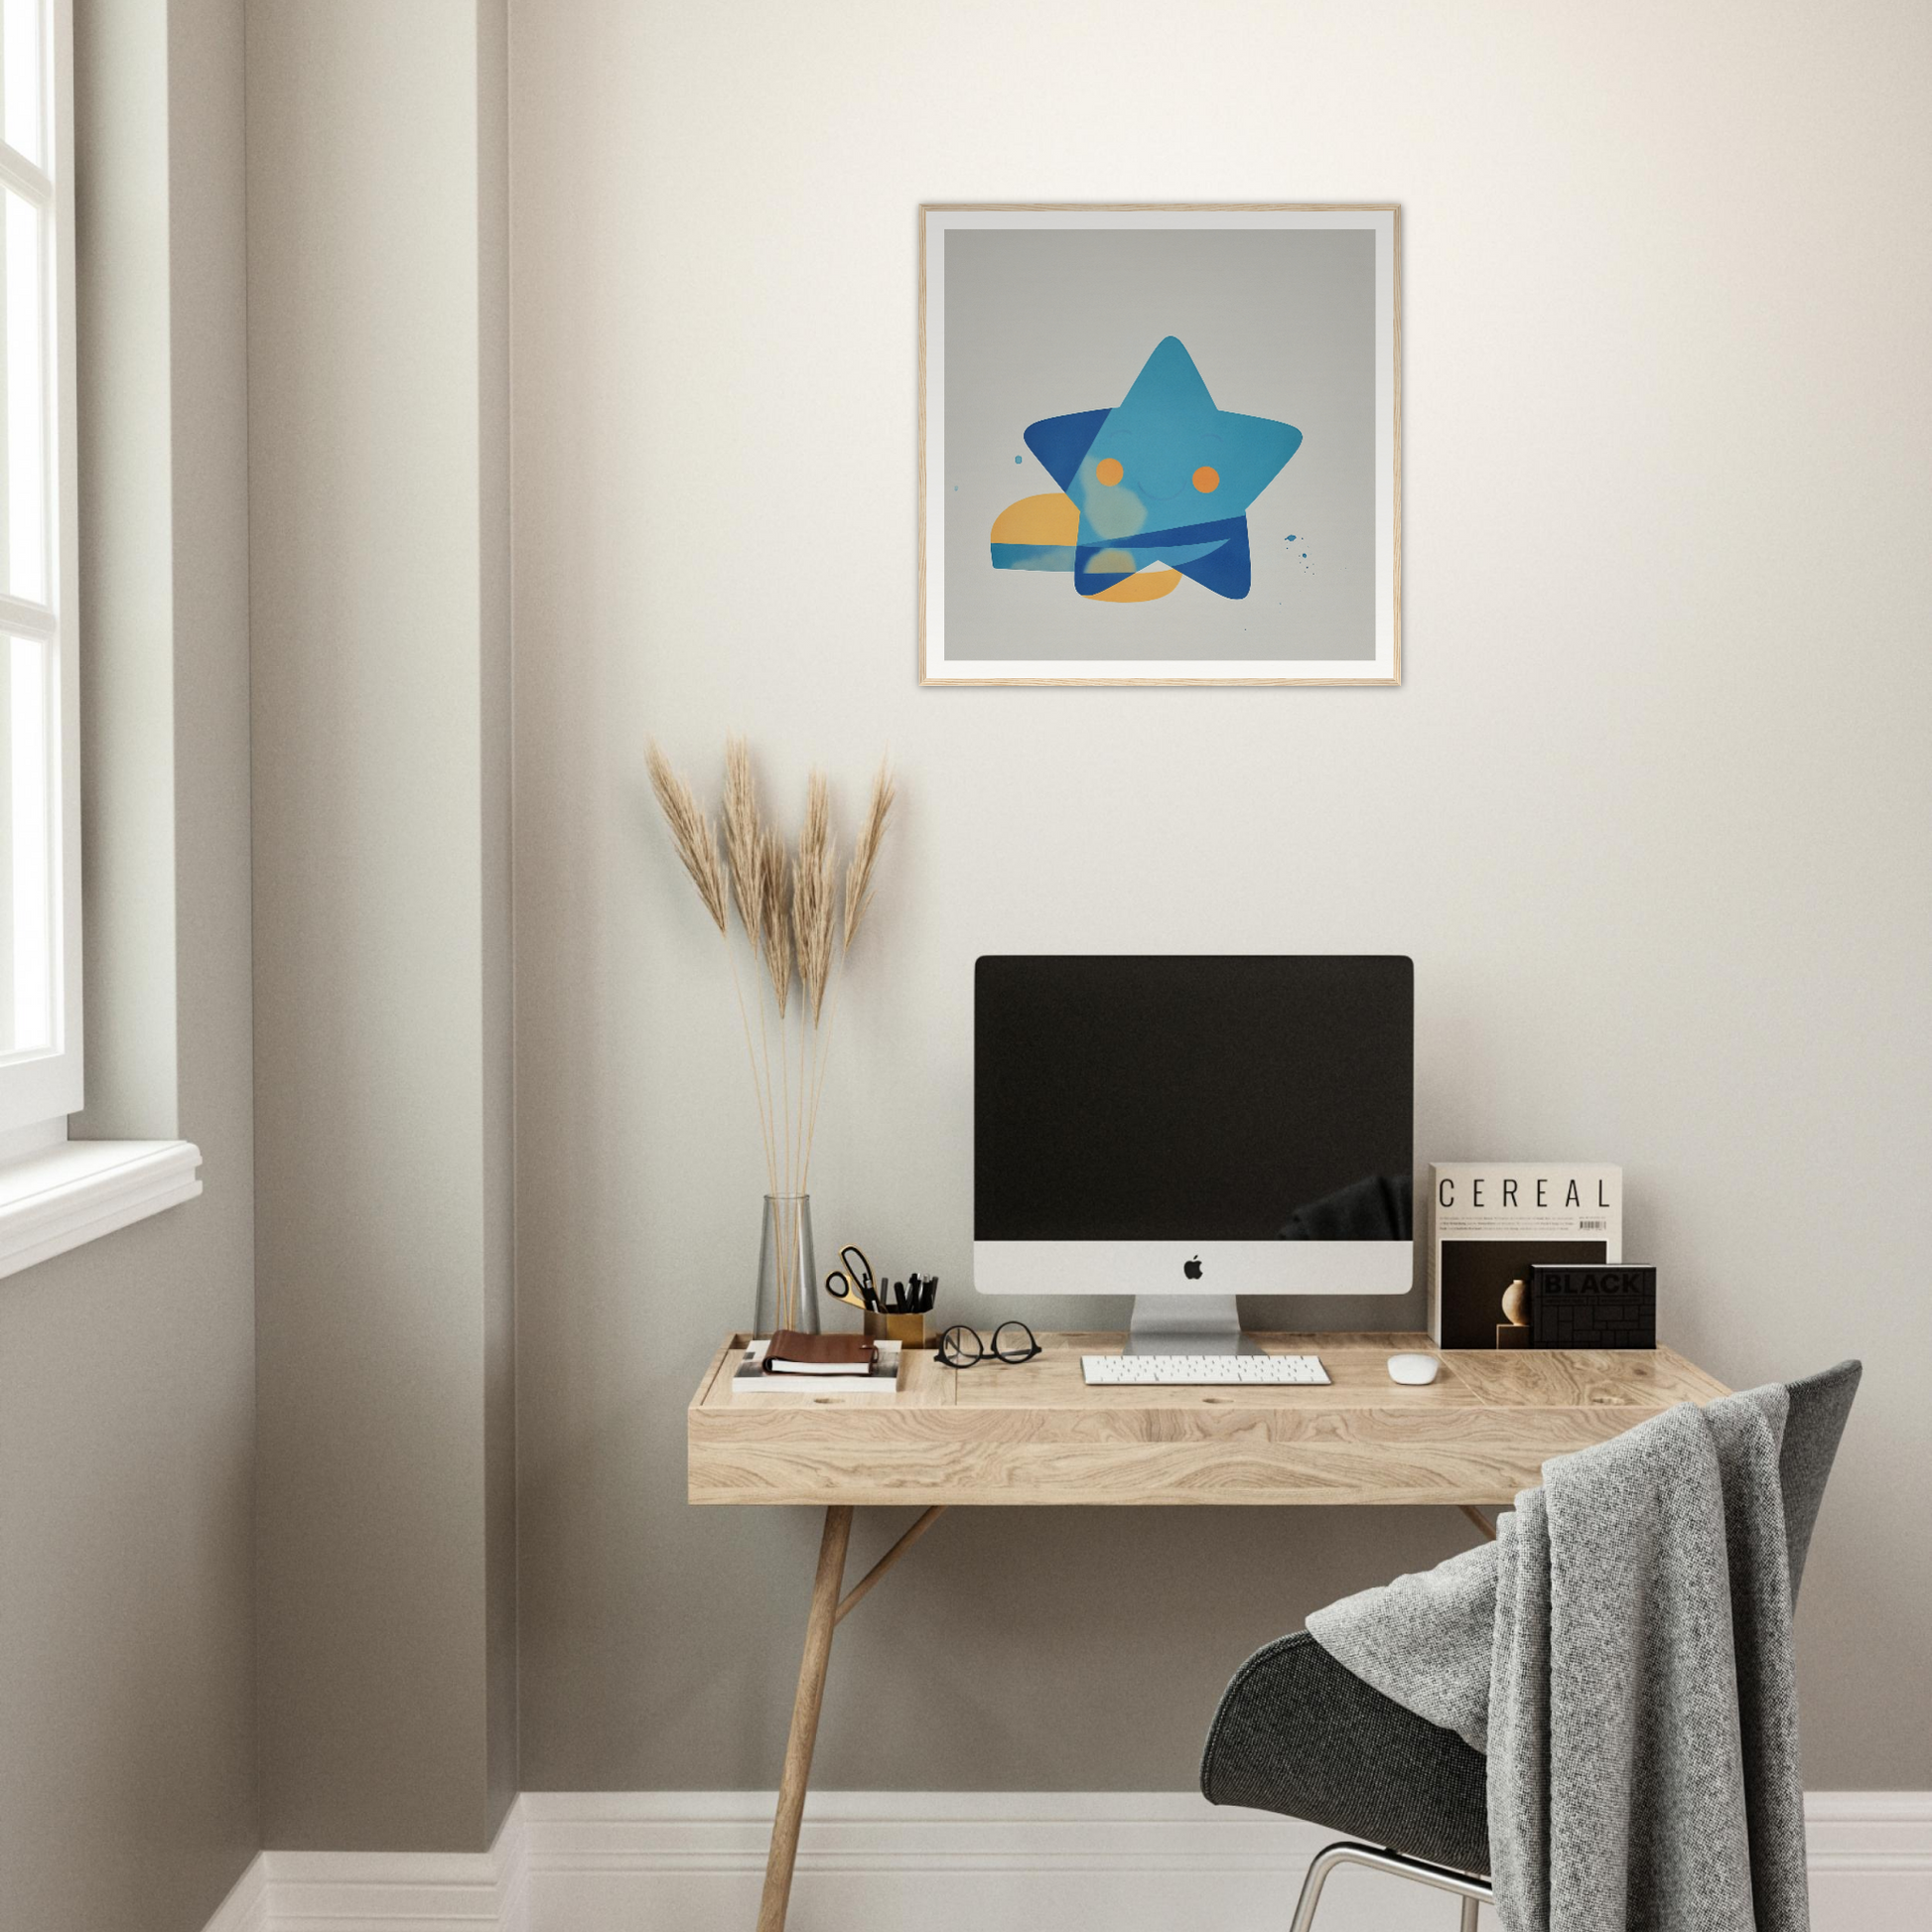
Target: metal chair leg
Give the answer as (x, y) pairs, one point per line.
(1472, 1891)
(1324, 1863)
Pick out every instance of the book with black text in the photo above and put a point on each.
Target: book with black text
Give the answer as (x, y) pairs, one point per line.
(1489, 1221)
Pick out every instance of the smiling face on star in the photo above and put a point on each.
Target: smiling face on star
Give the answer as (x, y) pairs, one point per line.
(1160, 476)
(1168, 457)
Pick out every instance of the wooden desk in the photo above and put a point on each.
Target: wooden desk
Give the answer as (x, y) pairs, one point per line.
(1033, 1433)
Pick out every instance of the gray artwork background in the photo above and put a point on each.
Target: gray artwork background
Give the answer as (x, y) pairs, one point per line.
(1280, 322)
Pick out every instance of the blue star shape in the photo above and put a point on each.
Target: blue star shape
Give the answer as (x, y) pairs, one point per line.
(1165, 477)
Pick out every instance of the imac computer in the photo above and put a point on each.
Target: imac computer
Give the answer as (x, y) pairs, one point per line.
(1189, 1129)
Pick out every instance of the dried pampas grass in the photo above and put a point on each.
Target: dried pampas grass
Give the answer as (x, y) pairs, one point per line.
(691, 832)
(788, 910)
(814, 895)
(742, 846)
(775, 916)
(864, 851)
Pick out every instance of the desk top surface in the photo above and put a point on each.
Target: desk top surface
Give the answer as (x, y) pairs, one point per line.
(1035, 1433)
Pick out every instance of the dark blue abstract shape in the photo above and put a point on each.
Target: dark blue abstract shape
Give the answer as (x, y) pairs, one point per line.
(1228, 570)
(1214, 555)
(1059, 441)
(1216, 532)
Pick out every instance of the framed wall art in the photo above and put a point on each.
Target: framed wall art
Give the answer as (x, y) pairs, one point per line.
(1160, 445)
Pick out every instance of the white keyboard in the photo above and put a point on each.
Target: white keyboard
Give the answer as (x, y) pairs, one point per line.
(1201, 1372)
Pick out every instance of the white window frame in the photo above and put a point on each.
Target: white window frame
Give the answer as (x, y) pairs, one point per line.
(39, 1089)
(55, 1192)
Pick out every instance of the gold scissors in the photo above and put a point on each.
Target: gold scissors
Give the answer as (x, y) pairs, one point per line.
(852, 1281)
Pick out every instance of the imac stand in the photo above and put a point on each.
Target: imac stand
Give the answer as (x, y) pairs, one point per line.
(1187, 1324)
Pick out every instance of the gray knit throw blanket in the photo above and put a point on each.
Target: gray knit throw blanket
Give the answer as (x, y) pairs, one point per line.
(1623, 1652)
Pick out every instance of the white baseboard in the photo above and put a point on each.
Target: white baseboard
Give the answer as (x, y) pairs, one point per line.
(384, 1892)
(954, 1861)
(246, 1909)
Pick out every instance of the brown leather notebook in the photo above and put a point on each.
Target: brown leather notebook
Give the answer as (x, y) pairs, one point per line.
(794, 1353)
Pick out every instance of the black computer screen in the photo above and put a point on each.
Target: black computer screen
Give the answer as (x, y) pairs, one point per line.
(1222, 1098)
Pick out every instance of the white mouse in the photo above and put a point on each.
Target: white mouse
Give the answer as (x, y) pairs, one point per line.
(1415, 1369)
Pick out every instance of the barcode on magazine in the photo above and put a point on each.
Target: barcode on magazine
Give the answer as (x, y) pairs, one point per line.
(1600, 1225)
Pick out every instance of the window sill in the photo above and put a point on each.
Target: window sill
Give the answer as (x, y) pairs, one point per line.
(78, 1190)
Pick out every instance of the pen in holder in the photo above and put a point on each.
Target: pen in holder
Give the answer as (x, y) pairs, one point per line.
(903, 1318)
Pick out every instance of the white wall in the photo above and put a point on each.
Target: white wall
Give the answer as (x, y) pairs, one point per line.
(1651, 810)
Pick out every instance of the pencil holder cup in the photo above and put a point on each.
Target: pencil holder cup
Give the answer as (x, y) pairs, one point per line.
(907, 1329)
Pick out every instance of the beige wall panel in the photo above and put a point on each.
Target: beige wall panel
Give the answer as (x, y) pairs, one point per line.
(379, 607)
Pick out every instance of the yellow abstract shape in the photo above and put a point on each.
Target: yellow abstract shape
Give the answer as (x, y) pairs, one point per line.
(1038, 519)
(1207, 477)
(1108, 471)
(1112, 563)
(1143, 589)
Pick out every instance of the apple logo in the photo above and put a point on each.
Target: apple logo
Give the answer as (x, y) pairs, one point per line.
(1191, 1269)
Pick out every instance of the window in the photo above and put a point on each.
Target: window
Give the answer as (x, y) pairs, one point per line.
(40, 846)
(54, 1194)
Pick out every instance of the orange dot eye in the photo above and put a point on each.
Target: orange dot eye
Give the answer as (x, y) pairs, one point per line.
(1207, 477)
(1108, 471)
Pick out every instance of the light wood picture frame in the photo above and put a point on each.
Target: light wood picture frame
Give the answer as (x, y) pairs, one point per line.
(1194, 411)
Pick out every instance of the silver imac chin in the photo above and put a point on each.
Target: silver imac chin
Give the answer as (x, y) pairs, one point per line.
(1184, 1297)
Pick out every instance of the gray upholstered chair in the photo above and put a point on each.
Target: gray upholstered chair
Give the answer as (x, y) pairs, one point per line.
(1298, 1734)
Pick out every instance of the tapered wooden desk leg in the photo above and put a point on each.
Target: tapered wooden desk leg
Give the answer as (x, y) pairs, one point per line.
(804, 1718)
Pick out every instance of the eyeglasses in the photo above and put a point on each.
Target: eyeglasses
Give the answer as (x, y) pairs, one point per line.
(1012, 1341)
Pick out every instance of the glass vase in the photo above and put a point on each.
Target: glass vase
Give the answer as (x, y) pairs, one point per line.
(787, 1271)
